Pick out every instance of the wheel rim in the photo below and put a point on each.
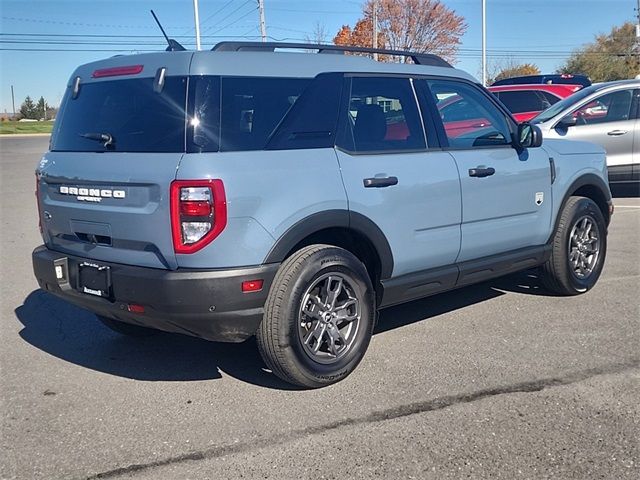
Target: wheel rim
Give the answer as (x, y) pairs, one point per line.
(329, 318)
(584, 247)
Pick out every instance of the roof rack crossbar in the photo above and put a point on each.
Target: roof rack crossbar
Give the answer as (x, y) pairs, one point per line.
(418, 58)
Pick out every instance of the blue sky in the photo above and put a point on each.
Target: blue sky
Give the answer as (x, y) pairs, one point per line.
(543, 32)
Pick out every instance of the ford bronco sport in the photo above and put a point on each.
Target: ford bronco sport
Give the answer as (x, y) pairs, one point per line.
(247, 191)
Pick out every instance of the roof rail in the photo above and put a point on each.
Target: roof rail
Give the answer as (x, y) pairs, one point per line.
(418, 58)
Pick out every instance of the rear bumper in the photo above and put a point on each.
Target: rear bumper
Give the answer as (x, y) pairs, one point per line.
(202, 303)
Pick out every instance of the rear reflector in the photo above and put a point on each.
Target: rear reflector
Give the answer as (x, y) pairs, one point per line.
(117, 71)
(252, 286)
(135, 308)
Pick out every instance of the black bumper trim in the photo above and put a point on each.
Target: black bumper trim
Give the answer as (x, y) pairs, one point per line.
(203, 303)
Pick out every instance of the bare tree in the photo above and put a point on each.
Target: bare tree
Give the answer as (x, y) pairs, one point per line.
(319, 34)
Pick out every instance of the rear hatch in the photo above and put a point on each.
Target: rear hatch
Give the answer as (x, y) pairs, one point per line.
(103, 187)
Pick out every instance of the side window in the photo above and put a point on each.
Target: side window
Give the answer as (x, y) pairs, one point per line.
(522, 101)
(468, 116)
(381, 115)
(612, 107)
(549, 97)
(253, 107)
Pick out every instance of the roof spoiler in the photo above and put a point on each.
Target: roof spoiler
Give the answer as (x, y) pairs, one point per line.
(418, 58)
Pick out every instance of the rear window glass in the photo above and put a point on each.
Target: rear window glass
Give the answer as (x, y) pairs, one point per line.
(129, 112)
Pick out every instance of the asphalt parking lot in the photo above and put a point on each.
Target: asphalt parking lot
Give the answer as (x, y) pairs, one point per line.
(498, 380)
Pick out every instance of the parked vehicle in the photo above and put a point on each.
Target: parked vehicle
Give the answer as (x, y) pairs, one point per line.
(606, 114)
(555, 78)
(290, 196)
(528, 100)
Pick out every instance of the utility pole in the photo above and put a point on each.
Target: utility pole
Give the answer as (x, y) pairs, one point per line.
(196, 19)
(484, 42)
(13, 103)
(263, 25)
(638, 24)
(375, 28)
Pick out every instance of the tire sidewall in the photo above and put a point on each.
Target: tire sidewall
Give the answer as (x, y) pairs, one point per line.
(322, 262)
(585, 207)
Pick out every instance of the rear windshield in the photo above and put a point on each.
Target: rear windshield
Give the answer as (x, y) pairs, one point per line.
(129, 112)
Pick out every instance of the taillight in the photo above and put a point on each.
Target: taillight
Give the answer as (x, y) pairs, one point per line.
(198, 213)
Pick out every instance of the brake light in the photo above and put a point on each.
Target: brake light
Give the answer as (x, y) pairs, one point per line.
(117, 71)
(198, 213)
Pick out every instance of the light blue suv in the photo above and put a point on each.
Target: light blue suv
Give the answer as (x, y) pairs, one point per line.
(247, 191)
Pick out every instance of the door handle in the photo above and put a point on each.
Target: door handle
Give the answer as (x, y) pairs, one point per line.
(481, 172)
(379, 182)
(616, 133)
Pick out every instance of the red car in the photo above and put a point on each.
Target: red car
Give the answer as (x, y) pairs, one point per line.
(527, 101)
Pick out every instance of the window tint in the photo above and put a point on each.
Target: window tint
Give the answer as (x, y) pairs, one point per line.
(253, 107)
(137, 118)
(550, 98)
(612, 107)
(468, 116)
(521, 101)
(382, 115)
(311, 122)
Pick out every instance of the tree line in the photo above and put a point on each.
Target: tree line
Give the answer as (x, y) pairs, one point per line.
(39, 110)
(430, 26)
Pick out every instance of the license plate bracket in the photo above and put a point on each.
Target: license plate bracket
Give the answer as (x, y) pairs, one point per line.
(94, 279)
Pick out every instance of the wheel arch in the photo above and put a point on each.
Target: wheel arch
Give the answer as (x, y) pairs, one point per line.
(341, 228)
(590, 186)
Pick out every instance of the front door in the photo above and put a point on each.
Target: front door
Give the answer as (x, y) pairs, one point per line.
(506, 194)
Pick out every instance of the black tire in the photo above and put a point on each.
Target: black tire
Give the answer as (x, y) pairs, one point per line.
(558, 273)
(319, 269)
(127, 329)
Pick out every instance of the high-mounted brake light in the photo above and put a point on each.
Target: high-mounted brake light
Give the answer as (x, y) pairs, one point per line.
(117, 71)
(198, 213)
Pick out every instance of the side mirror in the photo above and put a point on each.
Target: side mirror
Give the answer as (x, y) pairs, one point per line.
(529, 136)
(568, 121)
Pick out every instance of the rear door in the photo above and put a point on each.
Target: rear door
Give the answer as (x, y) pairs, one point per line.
(506, 194)
(116, 146)
(394, 177)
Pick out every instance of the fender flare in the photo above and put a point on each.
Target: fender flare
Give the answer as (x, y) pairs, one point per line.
(334, 219)
(587, 179)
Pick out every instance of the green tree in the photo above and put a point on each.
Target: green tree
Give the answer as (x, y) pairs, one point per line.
(28, 109)
(615, 56)
(41, 109)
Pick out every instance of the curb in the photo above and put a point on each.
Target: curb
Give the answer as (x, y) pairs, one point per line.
(23, 135)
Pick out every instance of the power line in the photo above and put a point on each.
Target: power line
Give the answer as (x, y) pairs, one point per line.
(229, 15)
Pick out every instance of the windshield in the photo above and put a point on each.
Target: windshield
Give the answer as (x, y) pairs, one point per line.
(123, 116)
(554, 110)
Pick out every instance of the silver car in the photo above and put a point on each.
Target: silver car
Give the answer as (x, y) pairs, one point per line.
(607, 114)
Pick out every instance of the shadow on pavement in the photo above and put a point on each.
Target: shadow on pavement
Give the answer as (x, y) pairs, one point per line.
(76, 336)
